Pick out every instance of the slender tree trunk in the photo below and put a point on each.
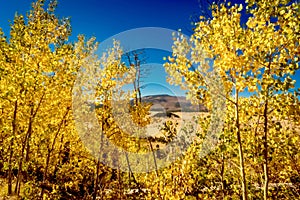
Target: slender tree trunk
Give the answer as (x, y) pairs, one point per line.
(130, 171)
(120, 183)
(28, 146)
(50, 149)
(154, 158)
(24, 143)
(222, 176)
(138, 78)
(96, 184)
(240, 147)
(9, 186)
(96, 188)
(265, 153)
(11, 152)
(59, 160)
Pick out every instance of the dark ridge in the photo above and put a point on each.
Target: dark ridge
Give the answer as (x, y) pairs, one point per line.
(167, 103)
(157, 95)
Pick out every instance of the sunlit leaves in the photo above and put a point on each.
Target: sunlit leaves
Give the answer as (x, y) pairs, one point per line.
(260, 58)
(38, 69)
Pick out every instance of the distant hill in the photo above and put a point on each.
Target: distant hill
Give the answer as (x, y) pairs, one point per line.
(169, 103)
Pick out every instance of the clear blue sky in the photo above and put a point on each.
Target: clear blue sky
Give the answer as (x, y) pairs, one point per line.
(106, 18)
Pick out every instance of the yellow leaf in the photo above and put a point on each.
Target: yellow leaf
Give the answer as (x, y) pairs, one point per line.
(282, 12)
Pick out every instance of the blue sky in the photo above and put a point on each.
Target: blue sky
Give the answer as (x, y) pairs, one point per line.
(106, 18)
